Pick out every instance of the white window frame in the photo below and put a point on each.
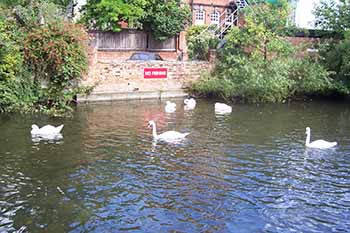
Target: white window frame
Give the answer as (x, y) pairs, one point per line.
(215, 17)
(199, 16)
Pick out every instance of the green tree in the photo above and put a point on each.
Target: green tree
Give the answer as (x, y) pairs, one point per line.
(262, 34)
(106, 15)
(334, 17)
(38, 8)
(166, 18)
(163, 18)
(10, 3)
(335, 51)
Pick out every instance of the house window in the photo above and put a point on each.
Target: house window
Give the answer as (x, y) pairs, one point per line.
(215, 18)
(199, 16)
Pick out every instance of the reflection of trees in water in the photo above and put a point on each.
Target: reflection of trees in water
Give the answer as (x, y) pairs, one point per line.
(343, 121)
(130, 119)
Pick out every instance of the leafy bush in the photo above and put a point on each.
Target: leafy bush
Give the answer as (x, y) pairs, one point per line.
(250, 80)
(165, 19)
(199, 40)
(56, 55)
(255, 80)
(41, 58)
(310, 78)
(18, 94)
(333, 18)
(335, 56)
(11, 57)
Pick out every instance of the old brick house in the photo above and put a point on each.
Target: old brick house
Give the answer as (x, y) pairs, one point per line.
(207, 12)
(221, 13)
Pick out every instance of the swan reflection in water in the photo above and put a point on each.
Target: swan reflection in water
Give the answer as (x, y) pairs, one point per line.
(51, 138)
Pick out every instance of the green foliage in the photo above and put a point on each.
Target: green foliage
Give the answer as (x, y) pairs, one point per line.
(335, 56)
(258, 65)
(37, 13)
(269, 17)
(18, 94)
(10, 3)
(106, 15)
(163, 18)
(310, 78)
(335, 52)
(254, 80)
(334, 17)
(166, 18)
(41, 58)
(200, 40)
(11, 57)
(263, 32)
(57, 57)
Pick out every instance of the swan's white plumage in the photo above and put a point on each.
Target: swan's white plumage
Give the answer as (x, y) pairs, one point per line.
(170, 107)
(190, 104)
(318, 144)
(46, 130)
(46, 137)
(222, 108)
(167, 136)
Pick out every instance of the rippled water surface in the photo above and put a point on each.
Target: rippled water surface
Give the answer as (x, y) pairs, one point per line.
(244, 172)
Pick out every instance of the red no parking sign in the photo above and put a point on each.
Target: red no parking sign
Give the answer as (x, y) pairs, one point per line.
(155, 73)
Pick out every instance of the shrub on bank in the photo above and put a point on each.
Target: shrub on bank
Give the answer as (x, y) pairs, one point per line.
(335, 56)
(56, 56)
(40, 68)
(200, 39)
(11, 58)
(19, 94)
(255, 80)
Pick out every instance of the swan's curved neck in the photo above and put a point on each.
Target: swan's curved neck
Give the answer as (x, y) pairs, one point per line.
(307, 141)
(154, 130)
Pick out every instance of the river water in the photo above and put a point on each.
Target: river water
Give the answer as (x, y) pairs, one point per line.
(244, 172)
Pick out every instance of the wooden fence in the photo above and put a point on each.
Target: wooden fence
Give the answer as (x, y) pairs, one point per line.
(130, 40)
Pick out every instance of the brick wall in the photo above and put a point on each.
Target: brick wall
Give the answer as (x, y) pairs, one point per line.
(307, 41)
(109, 73)
(304, 43)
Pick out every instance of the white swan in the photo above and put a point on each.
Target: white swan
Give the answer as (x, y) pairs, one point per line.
(170, 107)
(46, 130)
(167, 136)
(190, 104)
(319, 144)
(52, 138)
(221, 108)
